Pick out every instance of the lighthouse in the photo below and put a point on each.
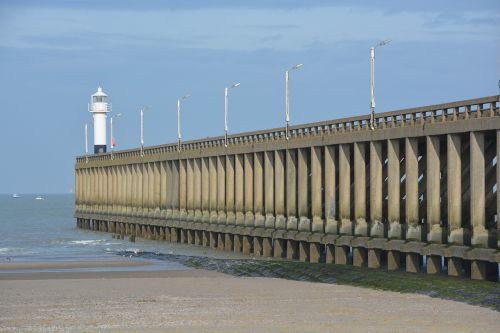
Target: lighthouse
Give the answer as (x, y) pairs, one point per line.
(99, 108)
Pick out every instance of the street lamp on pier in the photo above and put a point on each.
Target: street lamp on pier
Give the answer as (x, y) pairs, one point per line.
(179, 120)
(287, 102)
(111, 127)
(226, 92)
(372, 81)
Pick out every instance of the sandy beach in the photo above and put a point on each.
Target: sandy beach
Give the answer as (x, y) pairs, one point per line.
(190, 300)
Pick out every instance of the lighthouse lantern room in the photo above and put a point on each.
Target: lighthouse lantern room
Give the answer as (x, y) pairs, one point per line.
(99, 108)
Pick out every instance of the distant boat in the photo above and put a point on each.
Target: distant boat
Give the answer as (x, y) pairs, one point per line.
(16, 195)
(39, 198)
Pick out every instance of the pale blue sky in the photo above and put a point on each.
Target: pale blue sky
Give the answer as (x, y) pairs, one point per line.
(53, 54)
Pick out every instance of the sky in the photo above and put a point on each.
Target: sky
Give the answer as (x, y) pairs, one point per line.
(54, 54)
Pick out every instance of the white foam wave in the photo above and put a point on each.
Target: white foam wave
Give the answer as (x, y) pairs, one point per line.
(87, 242)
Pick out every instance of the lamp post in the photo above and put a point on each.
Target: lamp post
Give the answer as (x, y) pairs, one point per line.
(372, 81)
(226, 92)
(143, 109)
(111, 128)
(86, 143)
(179, 120)
(287, 102)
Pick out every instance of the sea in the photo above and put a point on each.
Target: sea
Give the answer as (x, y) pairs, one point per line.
(45, 230)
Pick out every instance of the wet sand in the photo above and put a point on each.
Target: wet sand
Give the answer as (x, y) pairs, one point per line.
(205, 301)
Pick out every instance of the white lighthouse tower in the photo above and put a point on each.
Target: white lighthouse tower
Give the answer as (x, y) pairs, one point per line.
(99, 107)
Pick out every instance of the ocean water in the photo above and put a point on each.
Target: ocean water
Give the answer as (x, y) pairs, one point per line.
(43, 230)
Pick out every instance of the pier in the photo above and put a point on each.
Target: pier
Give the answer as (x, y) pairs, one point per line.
(418, 192)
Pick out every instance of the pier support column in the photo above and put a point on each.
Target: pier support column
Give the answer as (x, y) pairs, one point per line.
(279, 248)
(269, 193)
(191, 237)
(477, 191)
(359, 256)
(230, 202)
(170, 188)
(249, 183)
(303, 251)
(393, 260)
(413, 262)
(257, 246)
(361, 226)
(433, 190)
(454, 189)
(190, 189)
(221, 190)
(330, 253)
(228, 242)
(376, 165)
(213, 239)
(174, 235)
(279, 192)
(221, 241)
(198, 237)
(239, 188)
(331, 225)
(267, 247)
(374, 258)
(238, 243)
(454, 266)
(205, 189)
(175, 190)
(345, 189)
(213, 188)
(433, 264)
(182, 190)
(258, 189)
(314, 252)
(198, 215)
(414, 231)
(247, 244)
(302, 182)
(393, 189)
(291, 189)
(341, 254)
(206, 238)
(292, 249)
(317, 189)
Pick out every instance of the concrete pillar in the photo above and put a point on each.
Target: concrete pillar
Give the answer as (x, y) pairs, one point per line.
(197, 190)
(257, 246)
(213, 239)
(433, 264)
(303, 251)
(393, 189)
(230, 203)
(151, 187)
(361, 226)
(190, 236)
(174, 235)
(279, 248)
(228, 242)
(376, 164)
(163, 189)
(341, 254)
(135, 190)
(331, 225)
(190, 189)
(258, 189)
(292, 249)
(317, 189)
(454, 266)
(169, 193)
(303, 180)
(249, 216)
(238, 243)
(221, 189)
(267, 247)
(393, 260)
(239, 188)
(314, 252)
(157, 188)
(345, 189)
(477, 190)
(221, 240)
(182, 190)
(175, 190)
(414, 231)
(374, 258)
(212, 163)
(359, 256)
(206, 238)
(269, 193)
(454, 189)
(413, 262)
(279, 190)
(205, 189)
(433, 190)
(247, 244)
(291, 189)
(330, 253)
(198, 237)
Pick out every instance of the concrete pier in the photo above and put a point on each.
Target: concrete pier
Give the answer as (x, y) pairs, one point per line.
(417, 193)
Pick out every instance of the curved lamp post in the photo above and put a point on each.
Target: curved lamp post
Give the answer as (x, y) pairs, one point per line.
(179, 120)
(111, 127)
(226, 92)
(287, 102)
(372, 81)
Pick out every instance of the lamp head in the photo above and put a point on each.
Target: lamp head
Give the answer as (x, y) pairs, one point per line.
(235, 85)
(384, 42)
(186, 96)
(297, 66)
